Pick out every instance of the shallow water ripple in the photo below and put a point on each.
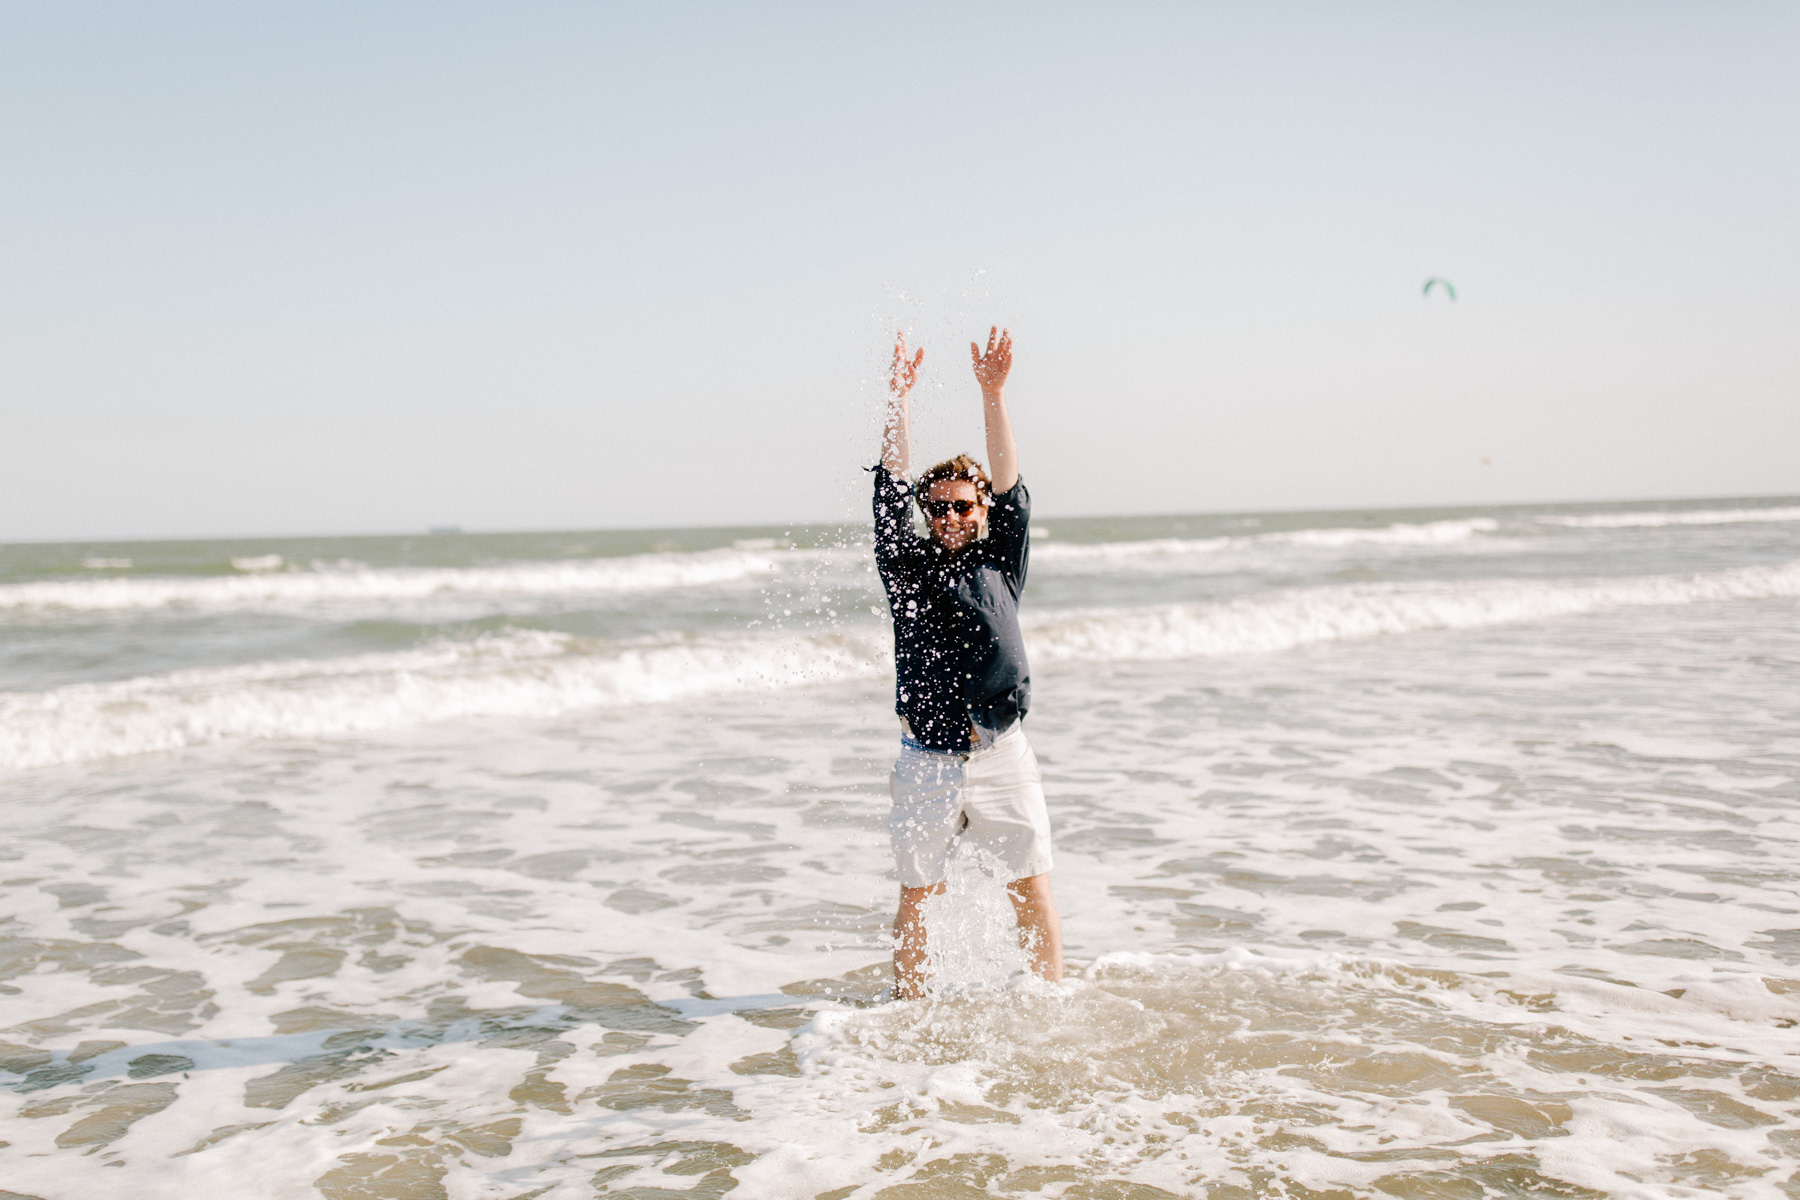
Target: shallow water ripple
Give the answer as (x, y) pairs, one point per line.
(1503, 912)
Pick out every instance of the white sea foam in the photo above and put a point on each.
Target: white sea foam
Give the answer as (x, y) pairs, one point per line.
(537, 674)
(491, 917)
(264, 585)
(1285, 620)
(1111, 553)
(515, 674)
(1429, 533)
(1132, 1066)
(1656, 520)
(1500, 913)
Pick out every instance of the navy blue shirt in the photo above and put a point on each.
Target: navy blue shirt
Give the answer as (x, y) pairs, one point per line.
(958, 655)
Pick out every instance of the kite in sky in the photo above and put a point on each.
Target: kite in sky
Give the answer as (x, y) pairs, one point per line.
(1434, 281)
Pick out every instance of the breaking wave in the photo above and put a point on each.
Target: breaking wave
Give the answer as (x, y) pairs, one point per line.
(1656, 520)
(514, 674)
(1429, 533)
(539, 674)
(1285, 620)
(263, 586)
(269, 583)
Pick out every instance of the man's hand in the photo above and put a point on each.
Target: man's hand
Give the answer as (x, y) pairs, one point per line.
(990, 372)
(904, 372)
(896, 432)
(991, 368)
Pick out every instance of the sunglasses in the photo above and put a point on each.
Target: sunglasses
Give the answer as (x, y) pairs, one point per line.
(943, 508)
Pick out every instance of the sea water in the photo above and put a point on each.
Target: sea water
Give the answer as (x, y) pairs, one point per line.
(1421, 854)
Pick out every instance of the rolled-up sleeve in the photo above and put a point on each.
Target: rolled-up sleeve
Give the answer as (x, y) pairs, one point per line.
(1009, 534)
(893, 518)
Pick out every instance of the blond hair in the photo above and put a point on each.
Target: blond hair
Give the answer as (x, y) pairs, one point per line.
(960, 467)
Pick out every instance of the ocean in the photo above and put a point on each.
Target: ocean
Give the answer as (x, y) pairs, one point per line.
(1427, 853)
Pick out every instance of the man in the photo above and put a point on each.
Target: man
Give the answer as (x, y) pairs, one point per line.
(961, 681)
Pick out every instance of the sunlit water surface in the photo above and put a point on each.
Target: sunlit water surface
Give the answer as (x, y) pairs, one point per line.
(1403, 854)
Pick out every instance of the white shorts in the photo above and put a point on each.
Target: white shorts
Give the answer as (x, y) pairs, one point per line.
(995, 793)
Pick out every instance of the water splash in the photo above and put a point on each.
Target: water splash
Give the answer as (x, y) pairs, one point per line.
(972, 934)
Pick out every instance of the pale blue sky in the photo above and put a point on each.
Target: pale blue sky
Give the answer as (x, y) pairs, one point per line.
(364, 267)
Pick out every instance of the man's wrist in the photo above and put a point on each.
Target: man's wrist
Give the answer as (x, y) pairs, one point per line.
(995, 394)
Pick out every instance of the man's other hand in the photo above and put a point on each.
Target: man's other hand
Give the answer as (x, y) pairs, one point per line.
(904, 372)
(991, 368)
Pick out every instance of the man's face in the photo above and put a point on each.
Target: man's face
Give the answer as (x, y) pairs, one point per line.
(955, 512)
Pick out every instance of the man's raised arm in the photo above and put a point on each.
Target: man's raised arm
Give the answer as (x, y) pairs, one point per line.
(896, 435)
(990, 372)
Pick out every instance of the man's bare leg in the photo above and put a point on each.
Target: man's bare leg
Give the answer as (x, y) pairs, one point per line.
(909, 942)
(1040, 929)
